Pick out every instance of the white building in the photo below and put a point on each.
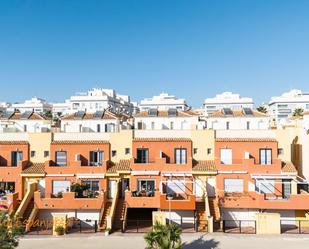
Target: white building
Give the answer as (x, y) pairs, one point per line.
(99, 122)
(243, 119)
(4, 106)
(226, 100)
(35, 104)
(163, 102)
(171, 119)
(97, 99)
(24, 122)
(282, 107)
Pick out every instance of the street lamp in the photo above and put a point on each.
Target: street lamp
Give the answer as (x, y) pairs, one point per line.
(170, 198)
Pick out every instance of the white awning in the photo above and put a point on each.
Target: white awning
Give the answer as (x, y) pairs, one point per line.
(84, 176)
(273, 176)
(232, 172)
(145, 172)
(176, 173)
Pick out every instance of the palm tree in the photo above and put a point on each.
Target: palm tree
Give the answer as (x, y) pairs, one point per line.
(298, 112)
(164, 237)
(262, 109)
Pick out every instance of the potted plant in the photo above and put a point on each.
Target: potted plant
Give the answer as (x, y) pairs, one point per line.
(107, 232)
(59, 230)
(79, 189)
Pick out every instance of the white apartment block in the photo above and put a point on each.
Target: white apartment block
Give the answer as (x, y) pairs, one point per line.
(242, 119)
(99, 122)
(282, 107)
(226, 100)
(97, 99)
(163, 102)
(24, 122)
(34, 104)
(4, 106)
(171, 119)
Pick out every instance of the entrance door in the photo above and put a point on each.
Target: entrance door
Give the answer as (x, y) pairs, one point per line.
(41, 186)
(211, 187)
(112, 189)
(199, 188)
(124, 186)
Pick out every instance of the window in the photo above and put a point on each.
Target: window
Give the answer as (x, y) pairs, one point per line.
(152, 125)
(25, 128)
(280, 151)
(226, 156)
(233, 185)
(227, 125)
(248, 125)
(181, 156)
(98, 128)
(208, 151)
(16, 157)
(96, 158)
(142, 155)
(110, 127)
(140, 125)
(175, 186)
(171, 125)
(265, 156)
(61, 186)
(114, 153)
(32, 153)
(146, 185)
(61, 158)
(194, 151)
(7, 187)
(80, 128)
(93, 185)
(46, 153)
(127, 151)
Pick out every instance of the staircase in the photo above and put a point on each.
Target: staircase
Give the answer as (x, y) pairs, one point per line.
(107, 209)
(214, 209)
(201, 216)
(28, 210)
(119, 215)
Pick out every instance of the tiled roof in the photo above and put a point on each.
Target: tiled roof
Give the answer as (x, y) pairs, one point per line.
(34, 168)
(33, 116)
(245, 140)
(88, 115)
(236, 114)
(14, 142)
(205, 165)
(123, 165)
(158, 139)
(288, 167)
(80, 142)
(188, 113)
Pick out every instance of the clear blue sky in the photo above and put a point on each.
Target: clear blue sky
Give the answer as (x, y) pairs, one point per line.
(193, 49)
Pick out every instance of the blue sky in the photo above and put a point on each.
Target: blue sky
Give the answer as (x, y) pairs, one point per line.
(192, 49)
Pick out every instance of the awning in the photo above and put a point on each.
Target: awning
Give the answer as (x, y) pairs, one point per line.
(145, 172)
(86, 176)
(176, 173)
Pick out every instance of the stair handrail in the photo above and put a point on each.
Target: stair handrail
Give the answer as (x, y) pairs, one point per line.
(102, 208)
(32, 187)
(124, 218)
(111, 215)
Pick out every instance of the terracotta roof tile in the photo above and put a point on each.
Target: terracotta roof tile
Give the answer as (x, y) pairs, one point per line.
(246, 140)
(80, 142)
(14, 142)
(205, 165)
(34, 168)
(33, 116)
(288, 167)
(157, 139)
(236, 114)
(123, 165)
(188, 113)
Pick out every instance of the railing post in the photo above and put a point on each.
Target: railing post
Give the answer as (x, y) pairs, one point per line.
(240, 226)
(224, 226)
(95, 226)
(299, 226)
(255, 227)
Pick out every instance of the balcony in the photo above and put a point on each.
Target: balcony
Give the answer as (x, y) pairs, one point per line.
(68, 200)
(82, 136)
(52, 168)
(9, 202)
(160, 164)
(245, 134)
(186, 202)
(142, 201)
(264, 201)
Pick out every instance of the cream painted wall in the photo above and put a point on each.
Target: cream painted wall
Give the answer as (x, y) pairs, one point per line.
(202, 140)
(39, 142)
(120, 141)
